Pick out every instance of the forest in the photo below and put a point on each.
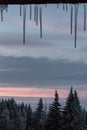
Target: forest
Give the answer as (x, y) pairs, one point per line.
(72, 116)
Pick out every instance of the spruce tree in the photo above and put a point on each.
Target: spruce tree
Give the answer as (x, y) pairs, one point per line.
(39, 109)
(37, 116)
(29, 118)
(84, 119)
(72, 112)
(18, 121)
(5, 120)
(54, 116)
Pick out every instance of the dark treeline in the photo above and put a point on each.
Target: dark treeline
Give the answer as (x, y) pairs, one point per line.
(72, 116)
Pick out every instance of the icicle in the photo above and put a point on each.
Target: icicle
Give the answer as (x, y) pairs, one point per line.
(63, 6)
(36, 15)
(66, 7)
(30, 12)
(57, 5)
(45, 5)
(84, 17)
(40, 15)
(20, 10)
(76, 11)
(2, 16)
(71, 19)
(34, 12)
(6, 8)
(24, 22)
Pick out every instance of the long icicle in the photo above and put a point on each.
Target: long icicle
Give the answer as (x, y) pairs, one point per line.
(30, 12)
(20, 10)
(63, 6)
(75, 24)
(57, 5)
(71, 19)
(84, 17)
(34, 12)
(7, 8)
(40, 15)
(66, 7)
(2, 16)
(36, 15)
(24, 22)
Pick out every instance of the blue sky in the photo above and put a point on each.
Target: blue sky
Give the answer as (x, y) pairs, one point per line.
(47, 62)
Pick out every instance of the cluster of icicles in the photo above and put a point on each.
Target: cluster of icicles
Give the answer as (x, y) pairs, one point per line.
(38, 16)
(2, 8)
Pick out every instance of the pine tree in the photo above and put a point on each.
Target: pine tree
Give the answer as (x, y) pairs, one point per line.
(54, 116)
(39, 109)
(23, 110)
(72, 112)
(77, 102)
(18, 121)
(5, 120)
(37, 117)
(84, 119)
(29, 118)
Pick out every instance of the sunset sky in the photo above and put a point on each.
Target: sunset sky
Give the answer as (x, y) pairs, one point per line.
(44, 64)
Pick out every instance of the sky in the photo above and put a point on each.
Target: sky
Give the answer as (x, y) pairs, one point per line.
(45, 64)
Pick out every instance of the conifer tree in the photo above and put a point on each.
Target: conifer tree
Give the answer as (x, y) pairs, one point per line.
(18, 121)
(84, 119)
(37, 118)
(72, 112)
(39, 109)
(4, 119)
(54, 116)
(29, 118)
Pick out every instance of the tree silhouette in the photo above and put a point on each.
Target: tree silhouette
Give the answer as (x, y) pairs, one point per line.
(72, 112)
(53, 117)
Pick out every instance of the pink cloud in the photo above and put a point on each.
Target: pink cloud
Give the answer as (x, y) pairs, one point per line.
(32, 92)
(82, 94)
(38, 92)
